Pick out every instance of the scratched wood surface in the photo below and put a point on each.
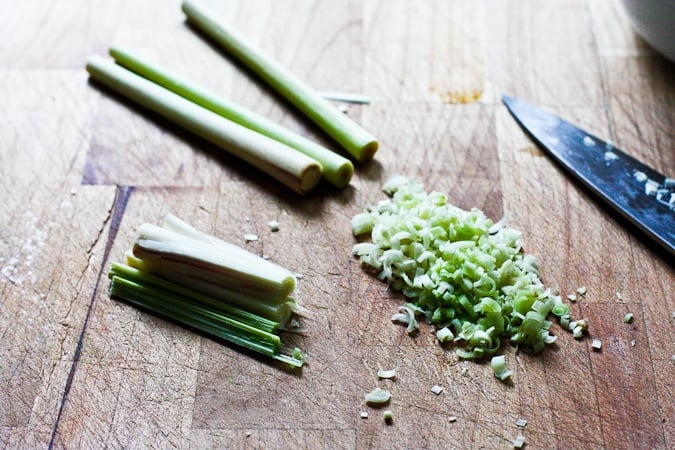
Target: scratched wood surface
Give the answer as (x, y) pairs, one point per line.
(80, 169)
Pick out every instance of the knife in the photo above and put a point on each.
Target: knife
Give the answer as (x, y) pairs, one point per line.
(639, 193)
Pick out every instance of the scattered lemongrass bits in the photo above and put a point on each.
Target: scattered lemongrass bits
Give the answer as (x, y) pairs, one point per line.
(461, 271)
(436, 389)
(628, 317)
(521, 423)
(351, 136)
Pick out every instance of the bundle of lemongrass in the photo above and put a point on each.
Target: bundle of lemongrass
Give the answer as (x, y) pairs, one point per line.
(286, 156)
(210, 285)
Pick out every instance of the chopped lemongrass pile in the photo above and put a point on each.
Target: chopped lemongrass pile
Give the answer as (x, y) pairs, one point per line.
(210, 285)
(351, 136)
(459, 270)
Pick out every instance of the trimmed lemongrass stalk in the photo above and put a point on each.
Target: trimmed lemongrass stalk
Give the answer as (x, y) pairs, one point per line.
(285, 164)
(356, 140)
(194, 258)
(200, 318)
(336, 169)
(148, 279)
(277, 312)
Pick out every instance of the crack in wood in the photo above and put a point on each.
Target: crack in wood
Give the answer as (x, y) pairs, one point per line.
(122, 195)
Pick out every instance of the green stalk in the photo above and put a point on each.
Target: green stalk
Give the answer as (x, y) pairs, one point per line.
(278, 312)
(357, 141)
(195, 316)
(285, 164)
(336, 169)
(138, 276)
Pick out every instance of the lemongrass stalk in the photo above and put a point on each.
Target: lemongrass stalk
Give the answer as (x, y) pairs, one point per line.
(140, 277)
(336, 169)
(254, 276)
(278, 312)
(351, 136)
(175, 224)
(285, 164)
(200, 318)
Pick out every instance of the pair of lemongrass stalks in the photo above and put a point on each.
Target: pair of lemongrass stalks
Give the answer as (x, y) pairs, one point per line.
(210, 285)
(286, 156)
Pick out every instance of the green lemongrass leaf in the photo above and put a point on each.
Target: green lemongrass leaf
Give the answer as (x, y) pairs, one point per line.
(336, 169)
(253, 276)
(195, 316)
(285, 164)
(144, 278)
(352, 137)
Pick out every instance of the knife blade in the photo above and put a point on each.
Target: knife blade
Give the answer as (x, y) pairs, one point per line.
(645, 197)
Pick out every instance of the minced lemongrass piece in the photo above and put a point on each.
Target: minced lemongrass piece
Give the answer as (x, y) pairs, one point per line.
(337, 169)
(274, 225)
(498, 364)
(388, 416)
(457, 269)
(519, 441)
(572, 297)
(581, 290)
(250, 237)
(386, 374)
(406, 316)
(351, 136)
(364, 415)
(452, 419)
(628, 318)
(444, 335)
(436, 389)
(378, 396)
(596, 344)
(285, 164)
(345, 97)
(521, 423)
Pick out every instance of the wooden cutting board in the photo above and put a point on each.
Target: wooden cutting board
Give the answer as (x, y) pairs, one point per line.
(80, 169)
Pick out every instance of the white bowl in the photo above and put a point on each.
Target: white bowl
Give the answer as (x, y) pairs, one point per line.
(654, 21)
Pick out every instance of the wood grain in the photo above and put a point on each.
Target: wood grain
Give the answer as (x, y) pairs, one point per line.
(80, 169)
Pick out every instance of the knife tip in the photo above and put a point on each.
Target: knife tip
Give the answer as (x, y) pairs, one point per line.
(507, 99)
